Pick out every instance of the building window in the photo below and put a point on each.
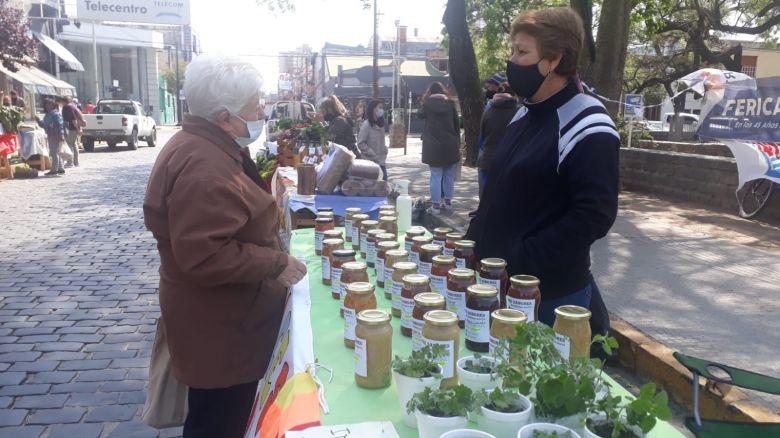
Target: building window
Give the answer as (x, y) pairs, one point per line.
(749, 65)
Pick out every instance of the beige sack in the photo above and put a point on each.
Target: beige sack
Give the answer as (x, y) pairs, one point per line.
(166, 399)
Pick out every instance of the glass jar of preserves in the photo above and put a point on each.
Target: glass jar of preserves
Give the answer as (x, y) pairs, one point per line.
(440, 235)
(413, 284)
(449, 245)
(441, 267)
(423, 303)
(417, 243)
(441, 328)
(360, 296)
(492, 271)
(328, 245)
(389, 224)
(333, 234)
(387, 210)
(382, 248)
(357, 222)
(482, 301)
(371, 239)
(351, 272)
(338, 258)
(427, 253)
(400, 270)
(465, 256)
(503, 323)
(524, 295)
(391, 258)
(458, 282)
(572, 332)
(365, 227)
(411, 233)
(350, 213)
(373, 349)
(321, 210)
(321, 224)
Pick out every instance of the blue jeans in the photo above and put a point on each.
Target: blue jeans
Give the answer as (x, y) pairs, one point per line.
(442, 179)
(580, 298)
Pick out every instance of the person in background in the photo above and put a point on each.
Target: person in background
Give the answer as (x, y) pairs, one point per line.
(74, 121)
(553, 184)
(371, 138)
(89, 108)
(7, 101)
(16, 100)
(340, 125)
(440, 144)
(78, 104)
(492, 85)
(495, 119)
(224, 276)
(55, 134)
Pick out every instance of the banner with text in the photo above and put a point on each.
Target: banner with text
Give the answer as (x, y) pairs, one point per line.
(175, 12)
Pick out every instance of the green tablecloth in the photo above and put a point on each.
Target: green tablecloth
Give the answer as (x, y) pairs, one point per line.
(349, 403)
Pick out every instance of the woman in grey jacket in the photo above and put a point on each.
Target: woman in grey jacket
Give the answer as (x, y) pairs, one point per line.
(371, 138)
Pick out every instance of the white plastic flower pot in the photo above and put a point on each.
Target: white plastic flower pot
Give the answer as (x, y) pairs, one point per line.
(528, 430)
(435, 427)
(466, 433)
(504, 425)
(474, 381)
(409, 386)
(574, 422)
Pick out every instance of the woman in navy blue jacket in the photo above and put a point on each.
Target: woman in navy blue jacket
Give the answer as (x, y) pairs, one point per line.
(553, 186)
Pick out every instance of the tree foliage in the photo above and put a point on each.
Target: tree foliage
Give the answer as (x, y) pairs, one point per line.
(171, 85)
(17, 45)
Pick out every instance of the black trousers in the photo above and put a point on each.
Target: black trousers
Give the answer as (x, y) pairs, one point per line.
(220, 412)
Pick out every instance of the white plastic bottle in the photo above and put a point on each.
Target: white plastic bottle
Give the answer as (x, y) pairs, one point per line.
(403, 206)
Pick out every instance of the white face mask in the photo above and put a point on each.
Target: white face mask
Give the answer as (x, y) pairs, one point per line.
(255, 128)
(380, 113)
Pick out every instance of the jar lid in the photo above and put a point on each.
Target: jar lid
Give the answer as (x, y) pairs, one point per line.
(571, 312)
(462, 273)
(322, 219)
(396, 253)
(416, 279)
(443, 260)
(354, 266)
(431, 248)
(375, 232)
(415, 231)
(324, 209)
(405, 266)
(429, 299)
(386, 237)
(482, 290)
(325, 214)
(360, 288)
(387, 244)
(422, 239)
(465, 244)
(442, 230)
(373, 317)
(493, 263)
(360, 217)
(454, 237)
(510, 316)
(332, 242)
(333, 234)
(386, 207)
(524, 281)
(344, 253)
(354, 210)
(441, 318)
(369, 224)
(388, 218)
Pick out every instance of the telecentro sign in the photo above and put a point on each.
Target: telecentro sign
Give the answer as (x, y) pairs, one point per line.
(133, 9)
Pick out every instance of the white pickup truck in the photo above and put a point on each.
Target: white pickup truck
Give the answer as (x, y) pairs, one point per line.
(115, 121)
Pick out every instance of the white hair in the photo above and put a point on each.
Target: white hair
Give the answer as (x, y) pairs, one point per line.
(215, 83)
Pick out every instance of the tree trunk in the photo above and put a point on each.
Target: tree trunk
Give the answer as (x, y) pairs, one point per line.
(588, 56)
(611, 47)
(464, 74)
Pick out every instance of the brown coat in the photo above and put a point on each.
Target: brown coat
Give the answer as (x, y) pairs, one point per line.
(217, 234)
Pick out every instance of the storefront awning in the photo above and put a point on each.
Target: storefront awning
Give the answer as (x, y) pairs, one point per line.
(40, 81)
(58, 49)
(112, 36)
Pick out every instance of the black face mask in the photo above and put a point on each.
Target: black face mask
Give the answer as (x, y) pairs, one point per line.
(524, 79)
(489, 94)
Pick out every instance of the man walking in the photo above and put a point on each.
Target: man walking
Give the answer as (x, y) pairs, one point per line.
(74, 120)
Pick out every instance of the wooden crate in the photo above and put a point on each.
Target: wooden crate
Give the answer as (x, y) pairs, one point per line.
(40, 162)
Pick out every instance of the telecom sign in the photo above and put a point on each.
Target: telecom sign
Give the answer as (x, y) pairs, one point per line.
(634, 106)
(135, 11)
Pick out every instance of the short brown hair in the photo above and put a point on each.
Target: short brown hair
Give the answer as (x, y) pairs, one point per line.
(558, 31)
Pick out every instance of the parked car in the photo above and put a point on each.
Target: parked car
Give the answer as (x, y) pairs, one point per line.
(116, 121)
(289, 109)
(689, 122)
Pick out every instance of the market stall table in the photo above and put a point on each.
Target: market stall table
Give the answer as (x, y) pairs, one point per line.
(348, 403)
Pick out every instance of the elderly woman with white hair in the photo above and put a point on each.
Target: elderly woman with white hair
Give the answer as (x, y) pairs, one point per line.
(223, 272)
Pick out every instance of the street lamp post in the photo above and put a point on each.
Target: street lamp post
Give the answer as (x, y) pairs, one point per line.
(375, 84)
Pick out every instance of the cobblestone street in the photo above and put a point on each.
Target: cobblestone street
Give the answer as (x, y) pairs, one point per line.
(78, 302)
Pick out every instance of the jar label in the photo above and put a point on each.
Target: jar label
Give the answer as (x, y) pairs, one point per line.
(408, 248)
(439, 242)
(371, 252)
(526, 306)
(355, 234)
(425, 268)
(438, 284)
(380, 269)
(456, 303)
(407, 307)
(446, 360)
(363, 244)
(396, 287)
(388, 278)
(563, 345)
(348, 228)
(318, 240)
(492, 347)
(361, 357)
(477, 325)
(349, 324)
(491, 282)
(417, 338)
(342, 295)
(449, 251)
(460, 263)
(325, 268)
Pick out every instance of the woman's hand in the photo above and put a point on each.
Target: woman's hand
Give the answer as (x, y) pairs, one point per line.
(293, 273)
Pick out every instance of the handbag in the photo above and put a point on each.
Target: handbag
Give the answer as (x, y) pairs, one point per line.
(65, 152)
(166, 400)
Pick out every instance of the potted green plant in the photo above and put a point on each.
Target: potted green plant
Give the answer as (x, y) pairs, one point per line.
(415, 373)
(503, 412)
(441, 410)
(546, 430)
(467, 433)
(478, 372)
(614, 418)
(10, 118)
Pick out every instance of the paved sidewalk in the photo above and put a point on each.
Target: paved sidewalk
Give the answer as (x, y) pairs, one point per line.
(707, 284)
